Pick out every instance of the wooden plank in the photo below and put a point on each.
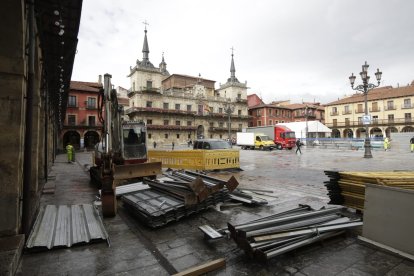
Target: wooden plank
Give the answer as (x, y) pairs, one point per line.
(203, 269)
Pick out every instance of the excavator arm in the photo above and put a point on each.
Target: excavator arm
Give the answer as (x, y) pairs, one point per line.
(123, 151)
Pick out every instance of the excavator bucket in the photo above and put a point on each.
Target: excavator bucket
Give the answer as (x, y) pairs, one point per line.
(131, 171)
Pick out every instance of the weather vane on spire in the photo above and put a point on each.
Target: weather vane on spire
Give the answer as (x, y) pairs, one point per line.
(232, 49)
(145, 23)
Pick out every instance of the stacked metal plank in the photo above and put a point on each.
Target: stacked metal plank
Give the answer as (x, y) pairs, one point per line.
(182, 194)
(348, 188)
(66, 225)
(249, 197)
(273, 235)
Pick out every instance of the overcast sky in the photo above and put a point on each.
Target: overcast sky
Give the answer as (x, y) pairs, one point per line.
(301, 50)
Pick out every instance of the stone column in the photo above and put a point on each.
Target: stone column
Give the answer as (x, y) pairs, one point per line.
(12, 104)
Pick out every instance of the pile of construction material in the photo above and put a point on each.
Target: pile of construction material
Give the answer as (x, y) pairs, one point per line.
(252, 196)
(276, 234)
(348, 188)
(179, 194)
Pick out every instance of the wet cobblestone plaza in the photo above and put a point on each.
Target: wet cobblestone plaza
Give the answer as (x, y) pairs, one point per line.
(294, 179)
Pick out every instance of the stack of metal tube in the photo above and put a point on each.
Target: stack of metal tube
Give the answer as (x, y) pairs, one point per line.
(276, 234)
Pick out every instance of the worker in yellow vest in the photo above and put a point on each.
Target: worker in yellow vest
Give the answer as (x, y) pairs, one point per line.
(386, 143)
(69, 151)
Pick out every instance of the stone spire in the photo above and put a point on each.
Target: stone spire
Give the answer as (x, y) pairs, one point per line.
(163, 66)
(145, 48)
(232, 69)
(145, 63)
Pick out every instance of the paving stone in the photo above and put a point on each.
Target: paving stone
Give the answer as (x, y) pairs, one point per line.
(294, 179)
(405, 268)
(353, 271)
(186, 262)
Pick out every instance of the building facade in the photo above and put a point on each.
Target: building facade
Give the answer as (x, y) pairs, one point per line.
(82, 127)
(391, 110)
(282, 112)
(34, 76)
(268, 115)
(178, 108)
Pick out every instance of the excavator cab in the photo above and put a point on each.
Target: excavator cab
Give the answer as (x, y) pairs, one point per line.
(134, 146)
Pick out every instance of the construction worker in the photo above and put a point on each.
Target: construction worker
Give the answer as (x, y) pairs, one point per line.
(412, 144)
(69, 151)
(386, 143)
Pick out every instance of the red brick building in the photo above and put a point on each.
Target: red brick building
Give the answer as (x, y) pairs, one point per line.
(81, 126)
(282, 112)
(253, 100)
(267, 114)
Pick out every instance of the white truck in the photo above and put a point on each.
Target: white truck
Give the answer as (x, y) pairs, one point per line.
(247, 140)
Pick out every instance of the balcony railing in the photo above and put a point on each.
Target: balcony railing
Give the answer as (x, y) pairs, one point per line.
(334, 113)
(144, 89)
(158, 110)
(376, 109)
(358, 111)
(345, 112)
(82, 126)
(170, 127)
(219, 129)
(73, 105)
(390, 107)
(383, 122)
(407, 106)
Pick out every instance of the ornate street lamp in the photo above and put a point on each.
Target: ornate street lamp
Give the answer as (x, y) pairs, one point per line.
(229, 109)
(364, 88)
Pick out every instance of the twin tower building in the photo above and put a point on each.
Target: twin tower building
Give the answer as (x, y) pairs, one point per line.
(177, 108)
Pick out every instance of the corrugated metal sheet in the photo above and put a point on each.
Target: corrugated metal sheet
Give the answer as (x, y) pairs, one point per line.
(66, 225)
(130, 188)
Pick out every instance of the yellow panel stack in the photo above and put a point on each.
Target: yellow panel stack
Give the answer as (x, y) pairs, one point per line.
(348, 188)
(196, 159)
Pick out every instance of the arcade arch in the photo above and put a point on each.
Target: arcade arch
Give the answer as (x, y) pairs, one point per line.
(200, 132)
(407, 129)
(91, 138)
(348, 133)
(72, 137)
(336, 133)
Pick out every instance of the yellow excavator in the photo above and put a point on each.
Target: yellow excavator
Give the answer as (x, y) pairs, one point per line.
(121, 156)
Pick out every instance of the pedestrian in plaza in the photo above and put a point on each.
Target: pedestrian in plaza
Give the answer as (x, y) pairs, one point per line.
(412, 144)
(69, 151)
(155, 144)
(386, 143)
(173, 145)
(298, 145)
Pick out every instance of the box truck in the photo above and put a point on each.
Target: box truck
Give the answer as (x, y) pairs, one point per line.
(260, 141)
(282, 136)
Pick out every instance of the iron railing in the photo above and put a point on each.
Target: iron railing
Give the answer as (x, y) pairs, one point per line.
(388, 122)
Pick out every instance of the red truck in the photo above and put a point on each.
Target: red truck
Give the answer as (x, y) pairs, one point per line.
(283, 136)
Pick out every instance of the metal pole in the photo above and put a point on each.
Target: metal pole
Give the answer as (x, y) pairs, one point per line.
(27, 162)
(367, 144)
(228, 124)
(306, 120)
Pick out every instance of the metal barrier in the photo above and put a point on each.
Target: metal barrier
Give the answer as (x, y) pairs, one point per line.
(196, 159)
